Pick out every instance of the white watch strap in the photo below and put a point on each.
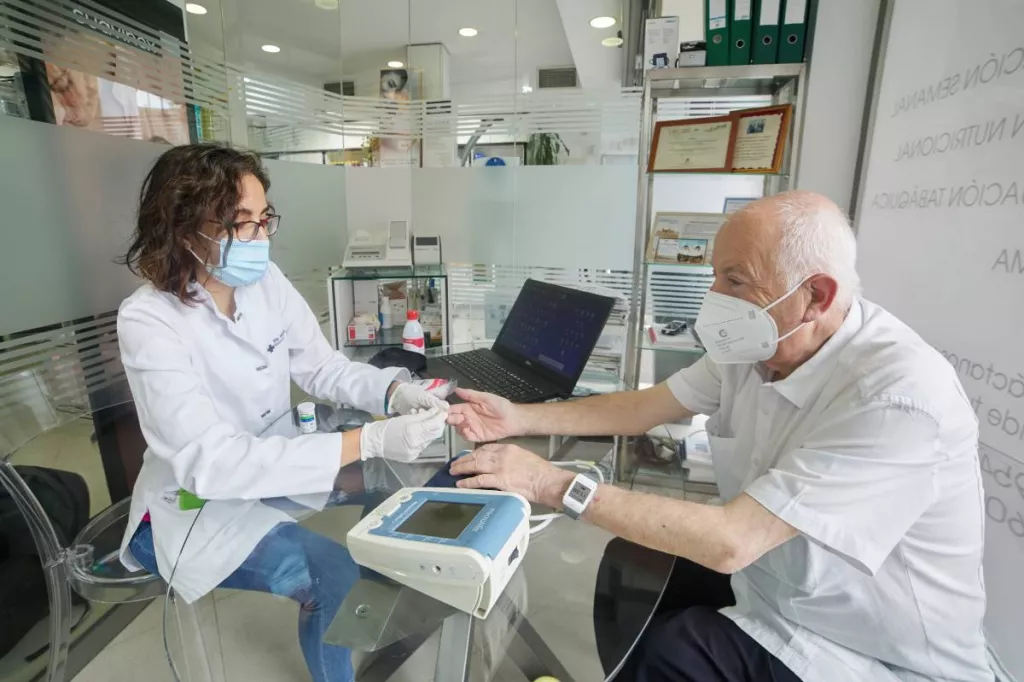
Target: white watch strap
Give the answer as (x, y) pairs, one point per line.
(577, 498)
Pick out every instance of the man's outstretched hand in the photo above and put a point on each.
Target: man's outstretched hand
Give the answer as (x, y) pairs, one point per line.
(484, 417)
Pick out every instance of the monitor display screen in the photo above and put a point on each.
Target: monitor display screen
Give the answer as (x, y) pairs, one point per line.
(554, 326)
(440, 519)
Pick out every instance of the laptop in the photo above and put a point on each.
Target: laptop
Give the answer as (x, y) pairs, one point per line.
(541, 349)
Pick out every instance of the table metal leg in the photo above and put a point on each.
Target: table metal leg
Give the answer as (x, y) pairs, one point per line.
(384, 663)
(565, 446)
(453, 650)
(533, 657)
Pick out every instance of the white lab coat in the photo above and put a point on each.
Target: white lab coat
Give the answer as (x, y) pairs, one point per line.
(204, 387)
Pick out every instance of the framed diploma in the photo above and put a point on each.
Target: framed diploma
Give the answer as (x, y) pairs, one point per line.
(760, 139)
(683, 238)
(698, 145)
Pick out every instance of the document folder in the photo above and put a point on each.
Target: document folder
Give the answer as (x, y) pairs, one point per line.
(716, 31)
(793, 32)
(766, 31)
(741, 13)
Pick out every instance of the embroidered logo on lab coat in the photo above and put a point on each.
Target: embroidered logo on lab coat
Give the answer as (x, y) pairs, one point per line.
(277, 341)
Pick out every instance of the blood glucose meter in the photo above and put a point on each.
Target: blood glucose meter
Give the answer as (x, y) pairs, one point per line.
(460, 547)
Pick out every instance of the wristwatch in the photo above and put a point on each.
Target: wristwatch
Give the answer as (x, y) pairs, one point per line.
(577, 498)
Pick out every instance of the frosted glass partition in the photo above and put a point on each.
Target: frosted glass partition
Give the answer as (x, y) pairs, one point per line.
(472, 209)
(68, 199)
(575, 216)
(556, 216)
(312, 237)
(311, 202)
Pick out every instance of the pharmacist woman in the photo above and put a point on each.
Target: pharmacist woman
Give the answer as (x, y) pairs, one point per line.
(210, 344)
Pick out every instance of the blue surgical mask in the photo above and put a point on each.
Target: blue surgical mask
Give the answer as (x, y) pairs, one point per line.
(243, 264)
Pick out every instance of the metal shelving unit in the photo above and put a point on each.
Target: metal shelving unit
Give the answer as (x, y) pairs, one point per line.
(784, 84)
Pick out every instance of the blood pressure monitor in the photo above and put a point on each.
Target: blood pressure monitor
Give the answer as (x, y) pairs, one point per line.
(458, 546)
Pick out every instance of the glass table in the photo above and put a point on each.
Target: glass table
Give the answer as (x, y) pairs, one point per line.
(574, 610)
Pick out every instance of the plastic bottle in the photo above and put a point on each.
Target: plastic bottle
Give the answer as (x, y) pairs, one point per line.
(387, 316)
(307, 417)
(412, 334)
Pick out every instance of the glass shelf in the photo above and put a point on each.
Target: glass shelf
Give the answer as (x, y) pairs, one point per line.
(702, 269)
(386, 338)
(669, 348)
(416, 272)
(734, 173)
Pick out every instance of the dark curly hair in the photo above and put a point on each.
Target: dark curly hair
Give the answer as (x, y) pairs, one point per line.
(187, 187)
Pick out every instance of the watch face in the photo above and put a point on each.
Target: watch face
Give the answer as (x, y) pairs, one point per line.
(579, 492)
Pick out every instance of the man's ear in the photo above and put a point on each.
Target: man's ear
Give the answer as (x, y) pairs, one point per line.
(824, 290)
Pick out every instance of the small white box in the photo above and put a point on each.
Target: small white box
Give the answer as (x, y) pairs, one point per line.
(361, 331)
(693, 54)
(365, 297)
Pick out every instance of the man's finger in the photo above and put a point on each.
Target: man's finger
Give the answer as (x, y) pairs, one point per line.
(465, 465)
(482, 481)
(470, 396)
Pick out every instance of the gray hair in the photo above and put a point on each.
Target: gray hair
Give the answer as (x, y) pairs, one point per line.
(816, 238)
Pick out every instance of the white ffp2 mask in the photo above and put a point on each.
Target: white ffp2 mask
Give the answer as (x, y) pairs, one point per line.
(735, 331)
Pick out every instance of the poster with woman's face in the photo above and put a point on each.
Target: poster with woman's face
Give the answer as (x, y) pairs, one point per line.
(398, 149)
(395, 85)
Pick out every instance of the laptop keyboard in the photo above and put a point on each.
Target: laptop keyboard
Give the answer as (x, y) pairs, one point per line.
(489, 376)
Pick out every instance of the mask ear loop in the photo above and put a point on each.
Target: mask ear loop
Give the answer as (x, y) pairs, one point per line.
(782, 298)
(223, 252)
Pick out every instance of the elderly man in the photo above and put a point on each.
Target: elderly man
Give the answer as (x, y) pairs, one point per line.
(844, 448)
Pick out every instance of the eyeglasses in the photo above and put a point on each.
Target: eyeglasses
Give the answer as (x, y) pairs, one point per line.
(247, 230)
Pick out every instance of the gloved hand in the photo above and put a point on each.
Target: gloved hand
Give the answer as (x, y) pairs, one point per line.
(410, 397)
(402, 439)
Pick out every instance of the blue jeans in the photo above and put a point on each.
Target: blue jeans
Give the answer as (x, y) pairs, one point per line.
(291, 561)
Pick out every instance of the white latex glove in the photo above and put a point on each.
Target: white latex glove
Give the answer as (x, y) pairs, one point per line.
(409, 398)
(402, 439)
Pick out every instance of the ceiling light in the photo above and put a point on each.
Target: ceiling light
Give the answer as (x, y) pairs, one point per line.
(467, 32)
(395, 64)
(272, 49)
(613, 41)
(193, 8)
(527, 89)
(602, 22)
(326, 4)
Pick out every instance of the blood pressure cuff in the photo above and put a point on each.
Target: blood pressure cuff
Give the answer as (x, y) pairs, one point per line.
(444, 478)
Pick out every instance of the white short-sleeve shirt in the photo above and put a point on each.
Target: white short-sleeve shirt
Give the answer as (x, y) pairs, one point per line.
(869, 450)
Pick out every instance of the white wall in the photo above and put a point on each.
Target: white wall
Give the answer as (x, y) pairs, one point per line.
(941, 244)
(691, 17)
(839, 70)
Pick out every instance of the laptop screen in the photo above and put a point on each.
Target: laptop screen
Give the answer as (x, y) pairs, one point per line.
(554, 328)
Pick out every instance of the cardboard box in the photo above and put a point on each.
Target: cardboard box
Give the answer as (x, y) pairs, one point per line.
(694, 53)
(359, 330)
(364, 297)
(661, 42)
(397, 293)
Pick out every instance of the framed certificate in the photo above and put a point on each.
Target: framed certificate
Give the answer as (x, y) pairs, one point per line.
(760, 139)
(699, 145)
(683, 238)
